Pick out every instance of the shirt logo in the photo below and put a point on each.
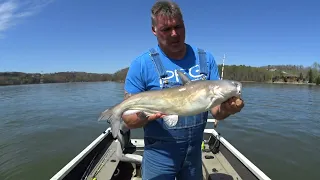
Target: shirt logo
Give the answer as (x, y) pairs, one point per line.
(194, 73)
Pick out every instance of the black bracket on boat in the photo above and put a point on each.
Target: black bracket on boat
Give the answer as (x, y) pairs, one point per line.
(124, 136)
(214, 143)
(124, 141)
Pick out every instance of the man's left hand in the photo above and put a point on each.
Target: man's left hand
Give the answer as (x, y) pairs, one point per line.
(232, 105)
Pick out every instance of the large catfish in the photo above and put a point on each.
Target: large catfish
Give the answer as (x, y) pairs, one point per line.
(191, 98)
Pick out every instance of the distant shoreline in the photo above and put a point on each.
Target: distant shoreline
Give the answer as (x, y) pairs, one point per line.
(267, 82)
(246, 74)
(280, 82)
(291, 83)
(59, 83)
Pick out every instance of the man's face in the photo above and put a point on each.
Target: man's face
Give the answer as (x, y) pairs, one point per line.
(170, 33)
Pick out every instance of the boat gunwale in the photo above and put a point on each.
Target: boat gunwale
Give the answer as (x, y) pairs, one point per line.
(244, 160)
(77, 159)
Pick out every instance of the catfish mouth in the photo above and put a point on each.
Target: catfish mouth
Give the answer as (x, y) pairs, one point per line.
(223, 93)
(221, 96)
(238, 88)
(229, 93)
(234, 93)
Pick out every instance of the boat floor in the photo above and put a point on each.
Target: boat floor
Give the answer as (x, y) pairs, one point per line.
(214, 166)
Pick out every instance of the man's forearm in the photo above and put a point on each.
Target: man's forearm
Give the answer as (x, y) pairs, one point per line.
(134, 121)
(218, 113)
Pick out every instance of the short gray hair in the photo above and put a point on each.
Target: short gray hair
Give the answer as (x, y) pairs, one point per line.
(165, 8)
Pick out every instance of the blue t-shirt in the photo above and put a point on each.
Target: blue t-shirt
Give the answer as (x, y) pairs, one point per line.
(142, 74)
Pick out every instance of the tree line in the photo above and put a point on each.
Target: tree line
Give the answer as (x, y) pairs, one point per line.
(233, 72)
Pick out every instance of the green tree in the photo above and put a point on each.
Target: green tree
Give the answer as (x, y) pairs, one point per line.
(318, 80)
(310, 74)
(301, 77)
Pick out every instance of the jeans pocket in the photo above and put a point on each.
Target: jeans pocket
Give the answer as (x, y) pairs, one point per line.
(151, 142)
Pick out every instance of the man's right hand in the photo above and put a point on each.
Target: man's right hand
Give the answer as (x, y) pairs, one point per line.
(150, 117)
(140, 119)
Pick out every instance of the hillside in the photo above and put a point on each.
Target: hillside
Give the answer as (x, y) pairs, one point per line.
(233, 72)
(291, 69)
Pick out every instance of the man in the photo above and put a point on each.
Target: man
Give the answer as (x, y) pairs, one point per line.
(171, 152)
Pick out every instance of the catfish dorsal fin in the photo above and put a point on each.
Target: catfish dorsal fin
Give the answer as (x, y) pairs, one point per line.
(184, 78)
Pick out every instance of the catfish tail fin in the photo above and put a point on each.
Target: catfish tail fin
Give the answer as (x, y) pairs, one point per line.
(113, 118)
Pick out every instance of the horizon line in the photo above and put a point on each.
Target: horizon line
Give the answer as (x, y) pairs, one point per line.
(92, 72)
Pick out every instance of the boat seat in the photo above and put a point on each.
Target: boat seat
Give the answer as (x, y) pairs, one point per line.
(123, 140)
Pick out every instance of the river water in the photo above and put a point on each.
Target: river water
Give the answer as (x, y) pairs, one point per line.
(42, 127)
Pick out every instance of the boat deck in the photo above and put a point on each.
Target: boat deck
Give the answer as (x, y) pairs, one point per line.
(105, 159)
(215, 166)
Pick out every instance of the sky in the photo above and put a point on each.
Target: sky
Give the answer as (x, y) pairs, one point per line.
(105, 36)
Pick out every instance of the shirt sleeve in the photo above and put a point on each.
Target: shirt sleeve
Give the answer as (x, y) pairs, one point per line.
(213, 68)
(134, 82)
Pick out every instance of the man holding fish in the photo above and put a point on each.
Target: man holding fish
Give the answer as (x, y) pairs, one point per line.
(173, 137)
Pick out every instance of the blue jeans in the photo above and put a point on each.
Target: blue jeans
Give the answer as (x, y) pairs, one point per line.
(170, 158)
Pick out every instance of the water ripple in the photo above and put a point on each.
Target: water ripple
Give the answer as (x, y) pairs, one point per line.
(42, 127)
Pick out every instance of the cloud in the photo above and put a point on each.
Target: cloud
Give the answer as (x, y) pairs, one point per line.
(13, 11)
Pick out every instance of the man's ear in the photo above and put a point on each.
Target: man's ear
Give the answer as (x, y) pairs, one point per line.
(153, 30)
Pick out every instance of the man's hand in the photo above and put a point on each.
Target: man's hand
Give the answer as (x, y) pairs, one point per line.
(143, 117)
(231, 106)
(140, 119)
